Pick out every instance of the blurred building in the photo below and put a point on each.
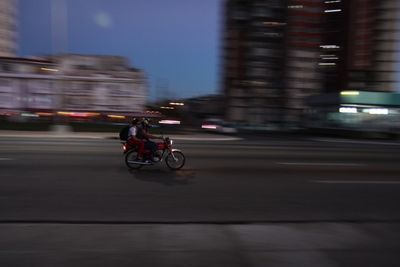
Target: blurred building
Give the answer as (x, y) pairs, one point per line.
(204, 107)
(100, 83)
(278, 53)
(360, 43)
(26, 85)
(8, 28)
(72, 84)
(253, 60)
(303, 38)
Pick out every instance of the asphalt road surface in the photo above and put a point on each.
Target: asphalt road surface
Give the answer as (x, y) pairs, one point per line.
(314, 191)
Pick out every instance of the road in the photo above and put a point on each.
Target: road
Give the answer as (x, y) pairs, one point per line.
(290, 187)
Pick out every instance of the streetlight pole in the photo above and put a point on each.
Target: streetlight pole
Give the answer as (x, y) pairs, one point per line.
(59, 26)
(59, 33)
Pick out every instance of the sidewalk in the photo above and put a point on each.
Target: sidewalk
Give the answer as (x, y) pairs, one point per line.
(108, 135)
(284, 244)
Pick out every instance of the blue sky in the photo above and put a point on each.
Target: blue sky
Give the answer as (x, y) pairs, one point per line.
(176, 42)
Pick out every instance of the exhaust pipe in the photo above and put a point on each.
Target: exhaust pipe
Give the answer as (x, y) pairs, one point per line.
(140, 162)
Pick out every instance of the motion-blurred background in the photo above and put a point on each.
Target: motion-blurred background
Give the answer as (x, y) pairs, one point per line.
(222, 66)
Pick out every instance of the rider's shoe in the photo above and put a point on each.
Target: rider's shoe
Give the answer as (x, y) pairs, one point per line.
(146, 160)
(142, 159)
(156, 157)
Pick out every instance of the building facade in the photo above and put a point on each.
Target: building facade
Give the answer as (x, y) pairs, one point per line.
(278, 53)
(253, 60)
(386, 41)
(100, 83)
(72, 83)
(359, 45)
(302, 73)
(24, 85)
(8, 28)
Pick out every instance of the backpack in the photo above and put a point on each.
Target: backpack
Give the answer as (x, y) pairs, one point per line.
(123, 134)
(140, 133)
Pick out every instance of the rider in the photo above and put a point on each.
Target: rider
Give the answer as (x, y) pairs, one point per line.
(133, 140)
(144, 135)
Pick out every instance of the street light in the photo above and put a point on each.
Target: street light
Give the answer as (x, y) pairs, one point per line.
(176, 104)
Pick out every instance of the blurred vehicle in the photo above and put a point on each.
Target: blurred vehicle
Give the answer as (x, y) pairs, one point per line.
(218, 126)
(170, 122)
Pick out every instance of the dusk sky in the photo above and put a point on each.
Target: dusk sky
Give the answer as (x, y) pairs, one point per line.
(176, 42)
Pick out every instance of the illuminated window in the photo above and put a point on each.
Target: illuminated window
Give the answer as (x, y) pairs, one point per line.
(332, 10)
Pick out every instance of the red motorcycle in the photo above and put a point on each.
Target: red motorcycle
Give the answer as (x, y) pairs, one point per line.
(174, 158)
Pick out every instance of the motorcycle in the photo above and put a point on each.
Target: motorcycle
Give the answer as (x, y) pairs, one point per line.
(174, 158)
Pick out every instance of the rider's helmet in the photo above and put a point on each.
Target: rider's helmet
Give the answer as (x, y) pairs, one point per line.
(134, 121)
(146, 122)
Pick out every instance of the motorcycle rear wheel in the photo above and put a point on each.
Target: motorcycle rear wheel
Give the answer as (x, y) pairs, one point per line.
(130, 158)
(175, 164)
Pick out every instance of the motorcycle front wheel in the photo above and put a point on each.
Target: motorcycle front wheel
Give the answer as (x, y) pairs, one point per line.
(131, 158)
(177, 163)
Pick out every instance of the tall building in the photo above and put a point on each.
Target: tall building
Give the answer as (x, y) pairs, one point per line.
(271, 51)
(359, 46)
(302, 73)
(277, 53)
(253, 60)
(8, 28)
(386, 45)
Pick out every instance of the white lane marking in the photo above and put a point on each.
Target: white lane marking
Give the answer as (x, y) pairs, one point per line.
(54, 136)
(4, 159)
(353, 182)
(323, 164)
(354, 142)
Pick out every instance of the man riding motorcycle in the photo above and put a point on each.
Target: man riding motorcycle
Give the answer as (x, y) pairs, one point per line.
(139, 136)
